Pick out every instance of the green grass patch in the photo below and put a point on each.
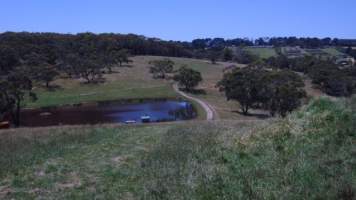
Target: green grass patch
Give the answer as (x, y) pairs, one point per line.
(100, 92)
(74, 163)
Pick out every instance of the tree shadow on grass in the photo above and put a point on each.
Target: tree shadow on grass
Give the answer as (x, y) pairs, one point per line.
(110, 72)
(257, 115)
(94, 82)
(53, 88)
(115, 69)
(126, 65)
(194, 91)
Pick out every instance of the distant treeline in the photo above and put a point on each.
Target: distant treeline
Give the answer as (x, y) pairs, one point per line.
(53, 44)
(274, 41)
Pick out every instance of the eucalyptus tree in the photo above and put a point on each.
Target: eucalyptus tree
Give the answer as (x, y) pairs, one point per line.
(159, 68)
(188, 78)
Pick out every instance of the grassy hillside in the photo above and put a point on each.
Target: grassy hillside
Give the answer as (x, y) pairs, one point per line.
(101, 92)
(309, 155)
(333, 52)
(128, 82)
(262, 52)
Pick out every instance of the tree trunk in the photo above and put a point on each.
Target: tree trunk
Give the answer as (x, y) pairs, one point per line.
(272, 113)
(244, 109)
(47, 84)
(85, 75)
(110, 70)
(16, 115)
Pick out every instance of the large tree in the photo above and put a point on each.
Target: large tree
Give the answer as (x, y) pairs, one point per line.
(14, 88)
(243, 86)
(214, 56)
(112, 57)
(39, 68)
(159, 68)
(188, 78)
(47, 74)
(278, 91)
(281, 91)
(122, 56)
(8, 59)
(228, 54)
(84, 65)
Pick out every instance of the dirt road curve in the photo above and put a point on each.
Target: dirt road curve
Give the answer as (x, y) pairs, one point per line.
(208, 109)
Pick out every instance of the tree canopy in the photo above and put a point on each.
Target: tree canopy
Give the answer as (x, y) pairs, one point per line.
(14, 88)
(281, 92)
(277, 91)
(159, 68)
(243, 86)
(188, 78)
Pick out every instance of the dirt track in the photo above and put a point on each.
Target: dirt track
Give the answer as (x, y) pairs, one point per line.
(208, 108)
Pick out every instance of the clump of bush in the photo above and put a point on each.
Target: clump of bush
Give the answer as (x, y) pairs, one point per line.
(328, 76)
(332, 80)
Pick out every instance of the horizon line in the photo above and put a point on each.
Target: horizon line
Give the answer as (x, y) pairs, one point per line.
(165, 39)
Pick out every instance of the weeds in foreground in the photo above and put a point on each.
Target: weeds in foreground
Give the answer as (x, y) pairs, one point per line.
(310, 155)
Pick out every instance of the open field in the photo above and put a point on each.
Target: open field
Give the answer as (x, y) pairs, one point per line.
(294, 52)
(262, 52)
(333, 51)
(309, 155)
(135, 82)
(104, 92)
(131, 82)
(317, 52)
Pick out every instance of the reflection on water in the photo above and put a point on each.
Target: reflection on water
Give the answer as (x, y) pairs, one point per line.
(157, 111)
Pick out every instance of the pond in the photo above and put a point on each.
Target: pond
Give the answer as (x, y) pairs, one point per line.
(109, 112)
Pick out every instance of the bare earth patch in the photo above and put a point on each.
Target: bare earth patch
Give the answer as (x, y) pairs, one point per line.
(73, 182)
(119, 160)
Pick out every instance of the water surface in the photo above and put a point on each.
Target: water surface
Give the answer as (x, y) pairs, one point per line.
(158, 111)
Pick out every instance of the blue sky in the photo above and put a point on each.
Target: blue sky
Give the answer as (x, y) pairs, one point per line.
(183, 19)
